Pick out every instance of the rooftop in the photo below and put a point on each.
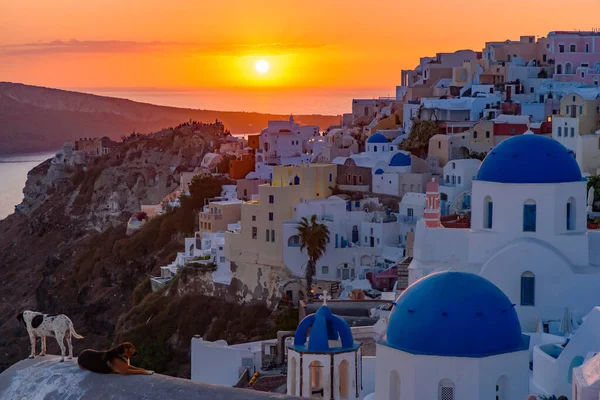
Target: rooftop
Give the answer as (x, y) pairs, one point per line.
(46, 378)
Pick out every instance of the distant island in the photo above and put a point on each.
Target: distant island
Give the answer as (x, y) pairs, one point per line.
(36, 119)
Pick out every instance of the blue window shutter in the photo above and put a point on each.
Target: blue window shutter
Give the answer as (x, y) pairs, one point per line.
(529, 216)
(527, 291)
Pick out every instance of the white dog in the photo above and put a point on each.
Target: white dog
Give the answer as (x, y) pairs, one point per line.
(53, 325)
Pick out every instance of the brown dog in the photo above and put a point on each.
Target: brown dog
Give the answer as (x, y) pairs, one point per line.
(113, 361)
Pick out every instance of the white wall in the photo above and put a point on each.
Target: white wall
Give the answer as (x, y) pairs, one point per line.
(473, 378)
(216, 364)
(551, 374)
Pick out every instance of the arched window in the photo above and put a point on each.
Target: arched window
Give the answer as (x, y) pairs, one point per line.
(375, 149)
(296, 180)
(559, 69)
(394, 385)
(315, 376)
(355, 234)
(488, 213)
(344, 374)
(502, 390)
(568, 68)
(293, 376)
(527, 289)
(529, 216)
(446, 390)
(475, 135)
(294, 241)
(571, 214)
(576, 362)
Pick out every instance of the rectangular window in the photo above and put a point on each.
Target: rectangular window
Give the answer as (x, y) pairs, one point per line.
(573, 48)
(559, 131)
(572, 132)
(271, 199)
(569, 219)
(567, 110)
(270, 216)
(267, 235)
(580, 110)
(561, 48)
(357, 204)
(410, 212)
(458, 180)
(222, 259)
(330, 177)
(272, 236)
(490, 215)
(527, 291)
(529, 217)
(360, 179)
(587, 48)
(325, 270)
(254, 218)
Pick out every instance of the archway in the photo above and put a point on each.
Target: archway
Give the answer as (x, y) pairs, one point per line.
(344, 374)
(446, 390)
(394, 385)
(568, 68)
(559, 69)
(315, 377)
(293, 372)
(502, 388)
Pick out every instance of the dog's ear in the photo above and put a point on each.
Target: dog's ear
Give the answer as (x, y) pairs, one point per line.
(121, 349)
(20, 317)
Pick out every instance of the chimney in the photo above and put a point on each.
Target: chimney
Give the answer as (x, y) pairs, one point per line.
(432, 206)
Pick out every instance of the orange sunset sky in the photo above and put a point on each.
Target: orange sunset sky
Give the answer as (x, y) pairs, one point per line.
(215, 44)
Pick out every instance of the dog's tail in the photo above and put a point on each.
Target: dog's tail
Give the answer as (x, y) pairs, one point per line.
(72, 330)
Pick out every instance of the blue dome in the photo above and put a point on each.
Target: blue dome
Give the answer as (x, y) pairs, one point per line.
(455, 314)
(324, 326)
(377, 138)
(379, 171)
(529, 158)
(400, 160)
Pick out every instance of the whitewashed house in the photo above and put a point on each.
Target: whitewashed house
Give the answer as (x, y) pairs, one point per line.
(359, 241)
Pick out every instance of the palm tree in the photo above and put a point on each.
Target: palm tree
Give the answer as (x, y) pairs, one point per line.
(314, 237)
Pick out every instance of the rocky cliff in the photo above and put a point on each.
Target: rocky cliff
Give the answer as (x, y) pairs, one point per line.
(66, 251)
(36, 119)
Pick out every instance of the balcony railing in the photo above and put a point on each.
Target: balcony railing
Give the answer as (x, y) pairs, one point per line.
(408, 219)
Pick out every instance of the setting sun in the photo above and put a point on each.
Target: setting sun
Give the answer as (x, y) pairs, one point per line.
(262, 66)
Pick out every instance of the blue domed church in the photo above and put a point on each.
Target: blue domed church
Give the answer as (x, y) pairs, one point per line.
(453, 335)
(528, 233)
(450, 336)
(324, 361)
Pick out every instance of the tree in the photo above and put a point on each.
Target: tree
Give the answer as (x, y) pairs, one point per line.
(313, 237)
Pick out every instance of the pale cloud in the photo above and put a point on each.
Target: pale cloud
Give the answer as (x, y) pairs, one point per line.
(117, 46)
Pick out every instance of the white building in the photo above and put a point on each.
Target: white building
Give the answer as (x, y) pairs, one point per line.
(528, 232)
(412, 209)
(455, 186)
(452, 336)
(285, 142)
(359, 241)
(586, 379)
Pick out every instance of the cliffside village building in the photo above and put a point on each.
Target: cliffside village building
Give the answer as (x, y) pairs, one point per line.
(480, 246)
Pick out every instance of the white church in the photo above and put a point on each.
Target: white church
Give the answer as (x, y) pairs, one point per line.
(528, 232)
(451, 335)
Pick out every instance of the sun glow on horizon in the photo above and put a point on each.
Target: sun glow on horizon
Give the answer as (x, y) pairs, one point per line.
(262, 66)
